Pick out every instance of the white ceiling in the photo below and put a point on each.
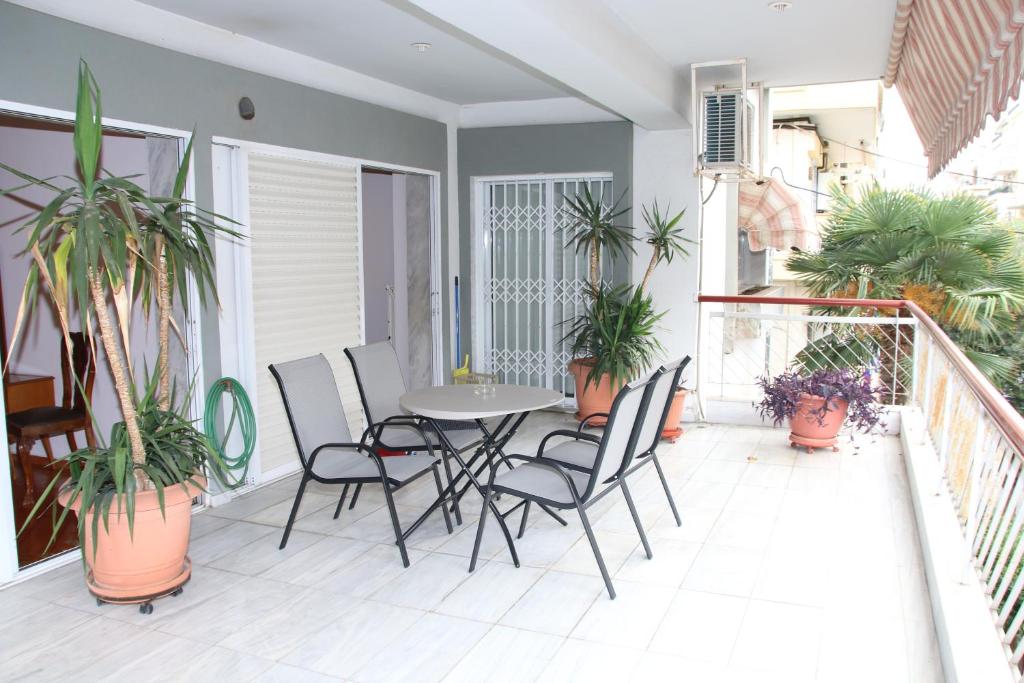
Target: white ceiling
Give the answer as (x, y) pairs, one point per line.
(373, 37)
(508, 62)
(815, 41)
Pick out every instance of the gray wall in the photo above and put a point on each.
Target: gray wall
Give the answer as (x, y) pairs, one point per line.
(150, 85)
(562, 148)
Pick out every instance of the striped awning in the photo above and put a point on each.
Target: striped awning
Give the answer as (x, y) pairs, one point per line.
(772, 217)
(955, 62)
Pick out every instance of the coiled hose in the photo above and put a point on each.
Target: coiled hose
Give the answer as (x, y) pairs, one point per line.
(242, 414)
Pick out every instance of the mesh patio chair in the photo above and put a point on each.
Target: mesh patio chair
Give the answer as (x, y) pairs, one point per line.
(381, 383)
(545, 481)
(326, 450)
(580, 454)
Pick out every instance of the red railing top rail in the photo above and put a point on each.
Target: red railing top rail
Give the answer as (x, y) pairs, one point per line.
(1006, 417)
(801, 301)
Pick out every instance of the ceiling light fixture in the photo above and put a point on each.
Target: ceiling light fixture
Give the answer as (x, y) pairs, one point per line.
(780, 6)
(420, 47)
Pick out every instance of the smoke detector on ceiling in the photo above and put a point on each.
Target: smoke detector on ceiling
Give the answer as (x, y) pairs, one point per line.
(780, 6)
(420, 47)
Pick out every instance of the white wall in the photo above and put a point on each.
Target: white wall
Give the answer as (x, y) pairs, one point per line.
(663, 169)
(46, 153)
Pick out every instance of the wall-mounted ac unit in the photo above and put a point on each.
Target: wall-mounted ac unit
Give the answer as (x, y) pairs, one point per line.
(727, 139)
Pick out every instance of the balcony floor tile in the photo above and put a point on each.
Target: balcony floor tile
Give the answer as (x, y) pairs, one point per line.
(788, 566)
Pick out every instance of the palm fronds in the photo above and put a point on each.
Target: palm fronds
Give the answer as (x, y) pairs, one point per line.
(896, 243)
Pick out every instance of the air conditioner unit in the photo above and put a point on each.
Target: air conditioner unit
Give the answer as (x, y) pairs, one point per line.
(727, 143)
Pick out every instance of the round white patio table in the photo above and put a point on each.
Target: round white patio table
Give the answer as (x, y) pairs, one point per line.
(474, 403)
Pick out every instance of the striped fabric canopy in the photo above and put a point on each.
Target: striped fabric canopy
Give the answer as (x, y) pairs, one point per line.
(955, 62)
(772, 217)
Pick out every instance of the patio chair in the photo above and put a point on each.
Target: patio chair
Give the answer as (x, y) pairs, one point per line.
(545, 481)
(326, 450)
(582, 457)
(381, 384)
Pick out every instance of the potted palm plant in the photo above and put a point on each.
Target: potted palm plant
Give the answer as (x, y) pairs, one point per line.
(613, 340)
(949, 254)
(818, 403)
(99, 249)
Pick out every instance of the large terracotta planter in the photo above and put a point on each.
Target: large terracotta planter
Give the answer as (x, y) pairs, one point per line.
(151, 561)
(673, 428)
(596, 398)
(809, 430)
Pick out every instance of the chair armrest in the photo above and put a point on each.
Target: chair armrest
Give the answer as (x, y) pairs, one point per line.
(588, 418)
(549, 464)
(400, 421)
(361, 447)
(572, 433)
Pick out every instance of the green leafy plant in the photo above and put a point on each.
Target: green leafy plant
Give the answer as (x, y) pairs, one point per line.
(176, 453)
(616, 334)
(665, 237)
(594, 229)
(104, 243)
(948, 254)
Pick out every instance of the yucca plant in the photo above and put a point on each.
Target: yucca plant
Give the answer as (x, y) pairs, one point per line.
(615, 335)
(664, 236)
(617, 332)
(948, 254)
(593, 229)
(104, 243)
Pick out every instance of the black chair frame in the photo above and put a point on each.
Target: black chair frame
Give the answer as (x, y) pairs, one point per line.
(581, 502)
(389, 484)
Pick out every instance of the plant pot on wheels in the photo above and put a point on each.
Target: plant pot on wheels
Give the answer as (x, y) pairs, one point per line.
(595, 398)
(673, 428)
(811, 429)
(150, 561)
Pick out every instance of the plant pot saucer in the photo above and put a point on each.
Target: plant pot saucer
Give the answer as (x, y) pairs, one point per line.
(811, 444)
(139, 594)
(670, 435)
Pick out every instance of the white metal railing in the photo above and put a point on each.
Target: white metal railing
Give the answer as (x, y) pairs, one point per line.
(977, 435)
(981, 456)
(740, 347)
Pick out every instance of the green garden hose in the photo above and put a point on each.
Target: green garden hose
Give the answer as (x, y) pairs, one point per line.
(242, 413)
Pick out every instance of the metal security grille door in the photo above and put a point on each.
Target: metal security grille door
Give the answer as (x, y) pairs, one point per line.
(532, 279)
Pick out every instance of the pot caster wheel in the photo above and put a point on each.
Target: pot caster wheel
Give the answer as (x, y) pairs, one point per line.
(146, 608)
(177, 591)
(99, 603)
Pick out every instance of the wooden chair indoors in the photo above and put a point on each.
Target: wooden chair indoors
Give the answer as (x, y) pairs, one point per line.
(26, 427)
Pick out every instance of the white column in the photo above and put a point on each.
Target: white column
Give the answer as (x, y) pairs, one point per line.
(663, 170)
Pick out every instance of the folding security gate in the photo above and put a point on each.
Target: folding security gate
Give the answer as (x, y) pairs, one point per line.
(529, 276)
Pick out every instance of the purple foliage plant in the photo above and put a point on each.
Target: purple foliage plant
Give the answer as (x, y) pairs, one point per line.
(782, 396)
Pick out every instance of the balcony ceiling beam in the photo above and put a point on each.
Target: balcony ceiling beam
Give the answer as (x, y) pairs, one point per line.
(579, 44)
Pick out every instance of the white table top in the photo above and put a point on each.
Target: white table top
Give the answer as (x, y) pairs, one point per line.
(462, 402)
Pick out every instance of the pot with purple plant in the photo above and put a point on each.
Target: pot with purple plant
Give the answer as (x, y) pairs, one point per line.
(819, 403)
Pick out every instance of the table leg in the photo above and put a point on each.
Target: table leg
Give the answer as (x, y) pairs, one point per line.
(451, 488)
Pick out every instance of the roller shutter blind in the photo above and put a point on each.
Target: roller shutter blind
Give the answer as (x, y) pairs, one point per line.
(304, 222)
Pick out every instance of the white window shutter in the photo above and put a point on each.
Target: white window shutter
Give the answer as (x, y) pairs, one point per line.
(304, 221)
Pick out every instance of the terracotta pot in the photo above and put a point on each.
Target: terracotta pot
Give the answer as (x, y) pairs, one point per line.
(596, 398)
(674, 422)
(808, 431)
(150, 562)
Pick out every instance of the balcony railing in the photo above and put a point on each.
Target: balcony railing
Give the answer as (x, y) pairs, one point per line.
(977, 436)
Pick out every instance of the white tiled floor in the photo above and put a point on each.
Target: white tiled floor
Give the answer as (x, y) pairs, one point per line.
(788, 567)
